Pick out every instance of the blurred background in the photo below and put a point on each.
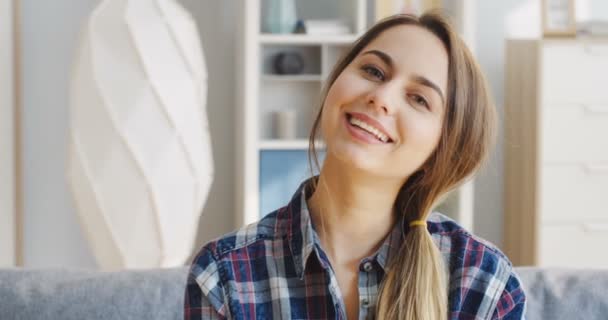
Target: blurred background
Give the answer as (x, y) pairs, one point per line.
(513, 202)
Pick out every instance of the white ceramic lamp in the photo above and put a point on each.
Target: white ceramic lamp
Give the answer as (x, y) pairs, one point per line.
(140, 163)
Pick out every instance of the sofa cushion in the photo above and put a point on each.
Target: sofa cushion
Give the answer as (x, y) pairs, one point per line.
(81, 294)
(556, 294)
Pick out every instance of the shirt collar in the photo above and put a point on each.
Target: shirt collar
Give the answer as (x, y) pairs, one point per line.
(303, 239)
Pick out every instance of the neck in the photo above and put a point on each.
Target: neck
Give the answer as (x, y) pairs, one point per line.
(353, 211)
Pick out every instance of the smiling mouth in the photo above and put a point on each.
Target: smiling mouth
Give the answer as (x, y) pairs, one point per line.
(368, 129)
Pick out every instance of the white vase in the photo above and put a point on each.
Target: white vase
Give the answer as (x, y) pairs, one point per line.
(280, 16)
(139, 164)
(285, 124)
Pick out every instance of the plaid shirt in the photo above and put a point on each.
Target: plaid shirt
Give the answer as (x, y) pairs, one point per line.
(277, 269)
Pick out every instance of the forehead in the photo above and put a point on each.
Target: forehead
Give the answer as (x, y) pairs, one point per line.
(414, 50)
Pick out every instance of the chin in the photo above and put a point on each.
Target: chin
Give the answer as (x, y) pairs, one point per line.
(356, 157)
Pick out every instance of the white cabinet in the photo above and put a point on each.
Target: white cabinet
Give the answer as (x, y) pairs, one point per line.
(268, 168)
(556, 153)
(574, 71)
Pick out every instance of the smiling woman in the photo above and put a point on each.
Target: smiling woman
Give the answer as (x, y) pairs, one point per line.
(406, 117)
(8, 217)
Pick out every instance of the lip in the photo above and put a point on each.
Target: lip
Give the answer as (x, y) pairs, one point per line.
(371, 121)
(361, 135)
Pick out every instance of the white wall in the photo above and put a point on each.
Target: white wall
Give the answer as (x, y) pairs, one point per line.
(600, 9)
(52, 235)
(7, 177)
(490, 50)
(48, 35)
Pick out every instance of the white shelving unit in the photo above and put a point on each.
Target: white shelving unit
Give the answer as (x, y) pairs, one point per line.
(268, 169)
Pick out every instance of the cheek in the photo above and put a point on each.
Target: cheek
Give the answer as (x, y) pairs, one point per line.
(337, 96)
(329, 120)
(346, 89)
(433, 132)
(336, 93)
(421, 134)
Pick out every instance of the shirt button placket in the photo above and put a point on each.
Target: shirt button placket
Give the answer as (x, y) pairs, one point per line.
(367, 266)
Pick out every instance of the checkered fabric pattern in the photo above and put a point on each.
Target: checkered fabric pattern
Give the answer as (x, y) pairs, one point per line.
(277, 269)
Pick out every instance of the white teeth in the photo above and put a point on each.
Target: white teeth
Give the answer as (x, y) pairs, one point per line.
(381, 136)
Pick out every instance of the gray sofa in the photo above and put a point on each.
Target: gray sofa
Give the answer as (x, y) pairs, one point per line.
(158, 294)
(81, 294)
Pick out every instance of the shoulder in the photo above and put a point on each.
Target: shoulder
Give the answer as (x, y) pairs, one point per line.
(482, 278)
(274, 226)
(463, 246)
(212, 269)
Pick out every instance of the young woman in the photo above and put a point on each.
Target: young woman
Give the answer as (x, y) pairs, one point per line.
(406, 117)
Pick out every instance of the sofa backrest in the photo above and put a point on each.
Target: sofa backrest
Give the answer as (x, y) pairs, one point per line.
(558, 293)
(158, 294)
(81, 294)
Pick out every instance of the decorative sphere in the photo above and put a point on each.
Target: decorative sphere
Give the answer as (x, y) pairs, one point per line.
(289, 63)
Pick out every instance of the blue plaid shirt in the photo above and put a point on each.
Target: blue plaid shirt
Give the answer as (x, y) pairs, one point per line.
(277, 269)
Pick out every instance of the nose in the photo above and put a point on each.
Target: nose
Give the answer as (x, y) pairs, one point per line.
(380, 100)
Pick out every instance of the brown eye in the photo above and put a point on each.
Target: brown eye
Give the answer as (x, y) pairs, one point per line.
(419, 100)
(373, 71)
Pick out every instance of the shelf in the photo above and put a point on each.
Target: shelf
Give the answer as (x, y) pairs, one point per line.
(299, 77)
(277, 144)
(268, 38)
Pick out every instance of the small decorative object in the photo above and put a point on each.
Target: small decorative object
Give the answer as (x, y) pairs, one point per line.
(326, 27)
(558, 18)
(300, 27)
(288, 63)
(280, 16)
(139, 161)
(285, 124)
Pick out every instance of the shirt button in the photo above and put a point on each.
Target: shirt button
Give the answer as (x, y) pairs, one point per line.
(365, 303)
(368, 266)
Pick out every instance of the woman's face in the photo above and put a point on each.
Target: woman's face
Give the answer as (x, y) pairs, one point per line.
(384, 112)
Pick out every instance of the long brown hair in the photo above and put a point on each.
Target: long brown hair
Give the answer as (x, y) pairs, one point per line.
(416, 285)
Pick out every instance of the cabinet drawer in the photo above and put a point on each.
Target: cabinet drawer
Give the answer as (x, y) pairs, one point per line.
(575, 133)
(574, 72)
(580, 245)
(572, 193)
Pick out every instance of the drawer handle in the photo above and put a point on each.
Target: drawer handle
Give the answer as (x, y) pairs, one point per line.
(596, 108)
(595, 168)
(596, 227)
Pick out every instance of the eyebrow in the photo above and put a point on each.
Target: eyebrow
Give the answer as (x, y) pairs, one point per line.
(426, 82)
(417, 78)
